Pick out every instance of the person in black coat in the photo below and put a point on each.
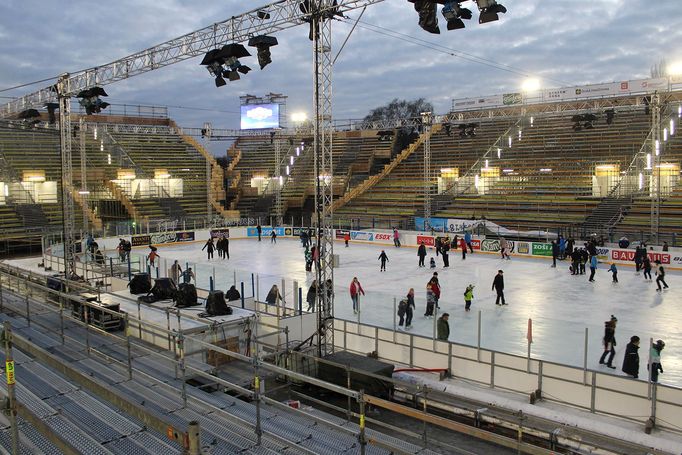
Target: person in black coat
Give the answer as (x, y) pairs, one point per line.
(421, 252)
(631, 359)
(311, 296)
(609, 342)
(498, 286)
(259, 229)
(383, 258)
(209, 247)
(555, 252)
(445, 247)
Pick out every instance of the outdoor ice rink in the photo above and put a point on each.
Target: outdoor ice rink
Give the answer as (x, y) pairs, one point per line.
(560, 305)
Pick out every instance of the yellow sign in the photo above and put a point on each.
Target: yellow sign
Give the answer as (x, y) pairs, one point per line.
(9, 369)
(362, 421)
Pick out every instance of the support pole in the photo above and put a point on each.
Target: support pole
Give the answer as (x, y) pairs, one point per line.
(11, 383)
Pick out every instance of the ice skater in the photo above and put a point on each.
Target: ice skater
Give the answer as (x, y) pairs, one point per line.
(444, 253)
(614, 270)
(467, 241)
(609, 342)
(432, 295)
(209, 246)
(346, 238)
(631, 358)
(498, 287)
(421, 253)
(463, 244)
(175, 272)
(409, 310)
(468, 297)
(153, 255)
(655, 356)
(273, 297)
(504, 248)
(660, 276)
(383, 258)
(432, 263)
(396, 238)
(646, 266)
(311, 296)
(355, 291)
(188, 275)
(273, 236)
(308, 255)
(259, 229)
(593, 268)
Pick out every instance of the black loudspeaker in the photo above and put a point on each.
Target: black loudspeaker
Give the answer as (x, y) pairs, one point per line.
(140, 284)
(186, 296)
(216, 305)
(164, 289)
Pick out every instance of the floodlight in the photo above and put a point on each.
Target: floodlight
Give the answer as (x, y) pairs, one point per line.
(448, 128)
(263, 43)
(90, 100)
(224, 63)
(454, 13)
(29, 114)
(232, 75)
(428, 18)
(489, 10)
(243, 69)
(385, 135)
(471, 129)
(263, 15)
(462, 129)
(610, 114)
(219, 81)
(675, 69)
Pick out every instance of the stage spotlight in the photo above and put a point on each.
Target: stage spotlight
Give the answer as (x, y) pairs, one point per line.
(610, 114)
(448, 129)
(51, 117)
(30, 116)
(385, 135)
(471, 129)
(263, 15)
(224, 63)
(489, 10)
(90, 100)
(428, 18)
(454, 13)
(263, 43)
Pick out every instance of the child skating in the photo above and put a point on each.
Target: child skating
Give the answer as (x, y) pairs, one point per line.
(383, 258)
(613, 269)
(468, 297)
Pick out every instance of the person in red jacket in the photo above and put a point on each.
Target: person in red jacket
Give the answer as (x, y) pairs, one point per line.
(463, 244)
(355, 291)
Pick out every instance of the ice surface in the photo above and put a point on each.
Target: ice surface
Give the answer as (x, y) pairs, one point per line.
(561, 306)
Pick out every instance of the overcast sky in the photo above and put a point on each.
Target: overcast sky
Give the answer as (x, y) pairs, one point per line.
(563, 42)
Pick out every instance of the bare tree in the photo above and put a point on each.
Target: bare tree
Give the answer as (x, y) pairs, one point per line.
(399, 109)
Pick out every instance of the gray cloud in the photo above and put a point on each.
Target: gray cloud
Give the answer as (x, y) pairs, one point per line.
(557, 40)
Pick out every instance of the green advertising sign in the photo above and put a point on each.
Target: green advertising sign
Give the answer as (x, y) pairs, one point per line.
(542, 249)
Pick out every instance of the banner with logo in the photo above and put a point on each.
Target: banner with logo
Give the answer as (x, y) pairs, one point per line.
(493, 245)
(362, 235)
(265, 232)
(341, 233)
(541, 249)
(139, 240)
(383, 237)
(220, 232)
(427, 239)
(629, 256)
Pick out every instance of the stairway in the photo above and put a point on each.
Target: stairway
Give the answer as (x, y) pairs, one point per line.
(606, 215)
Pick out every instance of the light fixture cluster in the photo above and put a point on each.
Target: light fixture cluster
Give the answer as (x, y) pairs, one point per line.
(224, 63)
(90, 100)
(454, 13)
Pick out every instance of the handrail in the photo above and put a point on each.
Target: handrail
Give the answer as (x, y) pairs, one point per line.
(632, 166)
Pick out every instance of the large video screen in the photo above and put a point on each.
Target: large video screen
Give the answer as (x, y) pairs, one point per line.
(259, 116)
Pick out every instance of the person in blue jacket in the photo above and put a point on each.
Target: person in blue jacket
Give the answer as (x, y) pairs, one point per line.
(593, 267)
(562, 247)
(613, 269)
(467, 240)
(555, 252)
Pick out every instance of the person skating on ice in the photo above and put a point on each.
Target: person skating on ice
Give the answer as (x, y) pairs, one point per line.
(609, 342)
(655, 356)
(432, 295)
(646, 267)
(409, 311)
(383, 258)
(555, 252)
(631, 358)
(421, 253)
(311, 295)
(273, 236)
(445, 247)
(468, 297)
(175, 272)
(434, 277)
(209, 246)
(463, 244)
(498, 287)
(660, 276)
(355, 291)
(614, 270)
(467, 240)
(396, 238)
(259, 229)
(432, 263)
(504, 248)
(593, 268)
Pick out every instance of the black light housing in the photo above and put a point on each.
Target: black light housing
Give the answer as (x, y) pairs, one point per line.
(90, 100)
(385, 135)
(263, 15)
(428, 18)
(263, 43)
(454, 13)
(489, 10)
(224, 63)
(610, 114)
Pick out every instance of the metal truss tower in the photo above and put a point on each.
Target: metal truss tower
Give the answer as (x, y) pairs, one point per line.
(427, 120)
(279, 216)
(68, 213)
(655, 184)
(321, 30)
